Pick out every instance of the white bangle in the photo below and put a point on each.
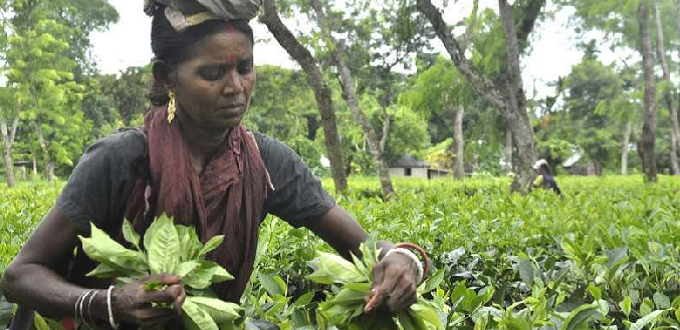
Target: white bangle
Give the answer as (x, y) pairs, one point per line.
(82, 303)
(411, 256)
(112, 322)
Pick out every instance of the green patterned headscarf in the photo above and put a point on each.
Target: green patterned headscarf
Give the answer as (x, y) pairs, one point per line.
(185, 13)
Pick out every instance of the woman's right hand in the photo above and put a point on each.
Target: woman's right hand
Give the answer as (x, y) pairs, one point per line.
(132, 303)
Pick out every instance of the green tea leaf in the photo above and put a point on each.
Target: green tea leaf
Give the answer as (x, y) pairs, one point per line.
(626, 305)
(207, 273)
(426, 316)
(270, 284)
(130, 234)
(333, 268)
(304, 299)
(661, 301)
(595, 291)
(187, 267)
(163, 247)
(189, 242)
(101, 248)
(431, 282)
(212, 244)
(646, 307)
(195, 318)
(108, 271)
(526, 271)
(348, 297)
(580, 316)
(220, 311)
(517, 323)
(155, 285)
(39, 322)
(649, 318)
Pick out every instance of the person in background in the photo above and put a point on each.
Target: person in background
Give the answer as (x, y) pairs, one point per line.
(544, 179)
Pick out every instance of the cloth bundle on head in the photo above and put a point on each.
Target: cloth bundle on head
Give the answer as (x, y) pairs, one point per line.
(185, 13)
(540, 163)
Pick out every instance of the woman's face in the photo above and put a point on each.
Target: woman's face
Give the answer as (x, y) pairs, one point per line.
(213, 87)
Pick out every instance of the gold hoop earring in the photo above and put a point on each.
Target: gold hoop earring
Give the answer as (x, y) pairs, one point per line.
(172, 106)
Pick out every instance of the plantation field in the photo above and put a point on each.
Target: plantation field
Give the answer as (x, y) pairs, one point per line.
(607, 255)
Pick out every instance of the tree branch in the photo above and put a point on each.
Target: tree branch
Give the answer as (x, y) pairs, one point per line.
(469, 30)
(346, 80)
(387, 121)
(13, 130)
(322, 92)
(528, 20)
(488, 90)
(514, 74)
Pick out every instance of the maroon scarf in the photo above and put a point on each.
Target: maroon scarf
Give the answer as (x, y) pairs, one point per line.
(226, 199)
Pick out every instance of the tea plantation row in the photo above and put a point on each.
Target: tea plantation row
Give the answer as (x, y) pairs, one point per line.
(606, 255)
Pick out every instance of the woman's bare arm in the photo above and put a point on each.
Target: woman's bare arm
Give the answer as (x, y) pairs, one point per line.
(30, 280)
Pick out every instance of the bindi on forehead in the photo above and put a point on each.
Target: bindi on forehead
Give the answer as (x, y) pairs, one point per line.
(229, 26)
(231, 57)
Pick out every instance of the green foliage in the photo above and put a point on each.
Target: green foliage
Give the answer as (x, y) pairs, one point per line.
(512, 261)
(345, 306)
(169, 250)
(596, 107)
(283, 105)
(127, 91)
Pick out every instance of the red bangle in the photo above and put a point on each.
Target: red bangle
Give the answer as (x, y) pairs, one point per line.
(423, 254)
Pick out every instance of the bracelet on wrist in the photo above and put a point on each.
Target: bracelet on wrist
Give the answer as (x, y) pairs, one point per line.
(112, 321)
(411, 256)
(423, 255)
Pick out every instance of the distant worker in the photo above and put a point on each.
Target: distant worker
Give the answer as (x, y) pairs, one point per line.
(544, 179)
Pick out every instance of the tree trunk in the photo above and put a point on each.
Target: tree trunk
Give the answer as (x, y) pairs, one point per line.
(8, 134)
(509, 99)
(507, 154)
(647, 141)
(315, 79)
(376, 148)
(35, 168)
(459, 168)
(668, 97)
(49, 171)
(49, 168)
(523, 135)
(625, 148)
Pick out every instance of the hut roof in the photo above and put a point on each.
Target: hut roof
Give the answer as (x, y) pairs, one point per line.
(408, 161)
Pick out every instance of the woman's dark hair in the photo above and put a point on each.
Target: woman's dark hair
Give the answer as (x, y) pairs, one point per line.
(173, 47)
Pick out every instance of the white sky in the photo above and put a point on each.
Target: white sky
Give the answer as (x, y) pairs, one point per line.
(127, 43)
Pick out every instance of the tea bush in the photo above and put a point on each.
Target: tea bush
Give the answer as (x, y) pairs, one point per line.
(605, 255)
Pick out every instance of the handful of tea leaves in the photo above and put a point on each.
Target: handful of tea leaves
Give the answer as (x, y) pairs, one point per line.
(346, 304)
(171, 250)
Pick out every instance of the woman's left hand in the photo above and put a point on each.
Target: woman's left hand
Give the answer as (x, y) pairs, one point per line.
(395, 284)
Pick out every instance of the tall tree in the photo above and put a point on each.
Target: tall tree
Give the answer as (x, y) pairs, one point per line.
(376, 147)
(667, 91)
(647, 142)
(128, 91)
(46, 37)
(506, 94)
(315, 79)
(628, 21)
(46, 91)
(9, 122)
